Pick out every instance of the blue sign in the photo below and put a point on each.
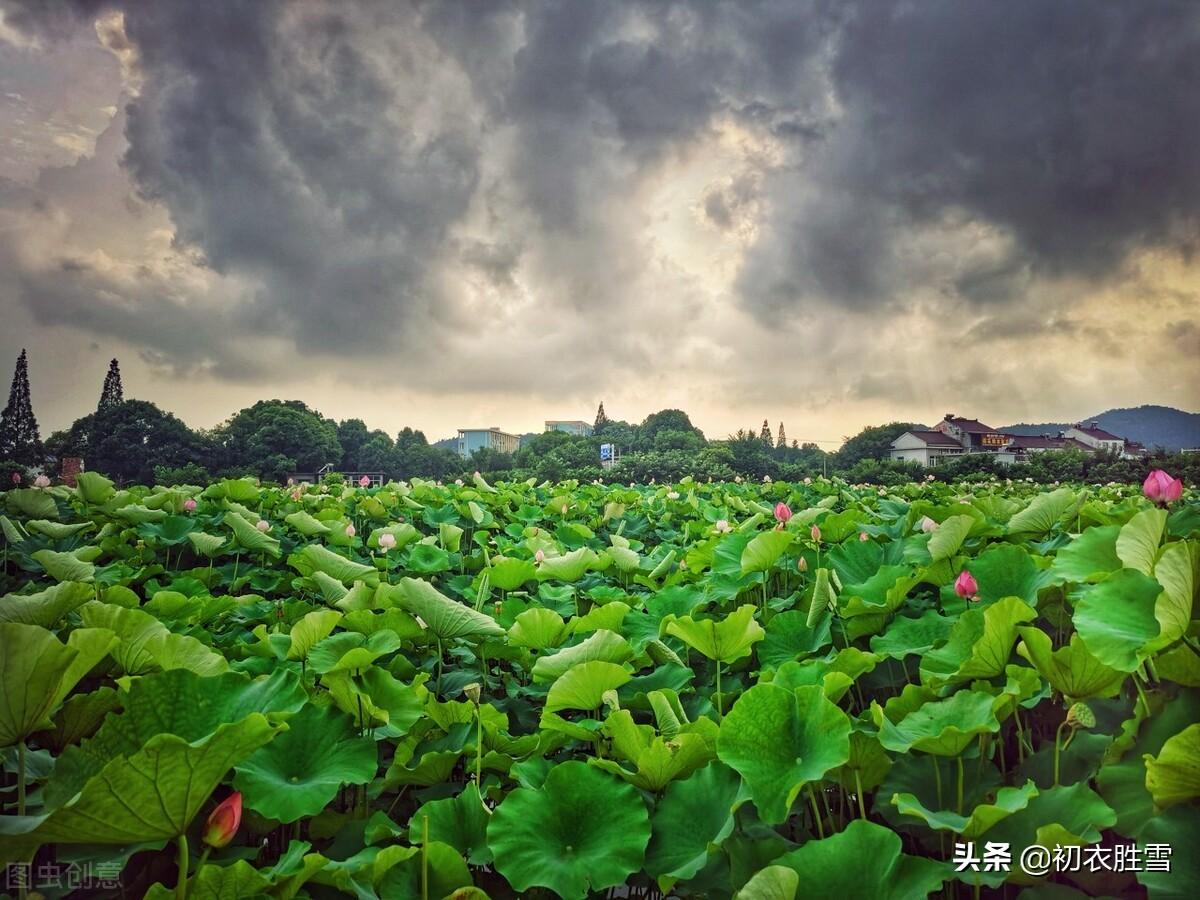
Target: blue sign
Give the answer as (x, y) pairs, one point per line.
(606, 452)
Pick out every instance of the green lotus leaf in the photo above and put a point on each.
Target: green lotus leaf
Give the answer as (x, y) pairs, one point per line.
(764, 550)
(824, 598)
(460, 821)
(135, 629)
(248, 537)
(943, 727)
(780, 740)
(31, 503)
(66, 566)
(305, 524)
(1007, 570)
(582, 831)
(151, 795)
(58, 531)
(510, 574)
(349, 651)
(177, 702)
(1090, 557)
(1072, 814)
(609, 616)
(379, 697)
(583, 686)
(139, 514)
(691, 820)
(398, 872)
(235, 882)
(1137, 544)
(427, 558)
(1116, 618)
(658, 760)
(205, 544)
(1173, 776)
(1042, 513)
(771, 883)
(300, 771)
(1009, 800)
(1176, 828)
(1176, 570)
(1071, 670)
(567, 567)
(980, 643)
(863, 860)
(602, 645)
(624, 559)
(725, 641)
(949, 537)
(37, 671)
(537, 629)
(312, 628)
(182, 651)
(45, 607)
(907, 635)
(317, 558)
(446, 618)
(92, 487)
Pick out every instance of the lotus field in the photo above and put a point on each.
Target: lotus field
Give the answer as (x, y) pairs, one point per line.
(710, 690)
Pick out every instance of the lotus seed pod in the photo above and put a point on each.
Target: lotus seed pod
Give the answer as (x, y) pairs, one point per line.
(473, 692)
(1080, 715)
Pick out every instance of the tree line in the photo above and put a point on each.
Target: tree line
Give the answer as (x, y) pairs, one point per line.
(134, 441)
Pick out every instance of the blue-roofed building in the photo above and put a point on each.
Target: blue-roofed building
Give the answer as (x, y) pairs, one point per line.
(472, 439)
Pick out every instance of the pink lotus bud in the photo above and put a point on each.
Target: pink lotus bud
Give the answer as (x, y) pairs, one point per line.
(802, 565)
(41, 481)
(928, 525)
(722, 527)
(387, 541)
(1161, 488)
(815, 532)
(16, 478)
(966, 586)
(862, 536)
(296, 495)
(222, 823)
(783, 513)
(189, 504)
(263, 525)
(540, 556)
(350, 530)
(365, 481)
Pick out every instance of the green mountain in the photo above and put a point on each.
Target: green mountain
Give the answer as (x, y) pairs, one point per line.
(1154, 426)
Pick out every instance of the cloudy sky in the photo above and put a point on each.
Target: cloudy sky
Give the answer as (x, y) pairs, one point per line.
(454, 213)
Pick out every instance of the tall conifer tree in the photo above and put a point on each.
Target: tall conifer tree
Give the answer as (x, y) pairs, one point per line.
(112, 394)
(601, 418)
(19, 437)
(781, 441)
(765, 434)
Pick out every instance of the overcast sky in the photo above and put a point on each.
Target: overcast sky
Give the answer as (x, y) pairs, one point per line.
(456, 213)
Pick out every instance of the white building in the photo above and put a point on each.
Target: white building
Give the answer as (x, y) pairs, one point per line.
(925, 447)
(577, 427)
(1096, 437)
(472, 439)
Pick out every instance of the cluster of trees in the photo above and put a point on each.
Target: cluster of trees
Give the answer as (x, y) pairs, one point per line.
(133, 441)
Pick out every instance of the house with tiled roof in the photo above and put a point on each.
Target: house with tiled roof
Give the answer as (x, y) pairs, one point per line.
(925, 447)
(1096, 437)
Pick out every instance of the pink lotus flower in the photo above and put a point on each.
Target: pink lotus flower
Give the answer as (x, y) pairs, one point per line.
(291, 481)
(928, 525)
(722, 526)
(365, 481)
(1161, 488)
(783, 513)
(862, 536)
(263, 525)
(387, 541)
(815, 532)
(350, 531)
(540, 556)
(966, 586)
(802, 565)
(296, 495)
(189, 505)
(222, 823)
(16, 478)
(672, 495)
(41, 481)
(458, 482)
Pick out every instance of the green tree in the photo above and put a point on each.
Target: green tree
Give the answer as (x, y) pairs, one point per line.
(601, 419)
(275, 436)
(765, 434)
(131, 439)
(20, 440)
(781, 441)
(873, 442)
(364, 450)
(112, 393)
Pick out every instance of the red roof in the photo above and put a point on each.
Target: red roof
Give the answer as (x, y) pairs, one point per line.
(935, 439)
(1035, 442)
(970, 426)
(1098, 433)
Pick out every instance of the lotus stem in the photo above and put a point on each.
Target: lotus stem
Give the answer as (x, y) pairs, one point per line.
(719, 712)
(1058, 748)
(958, 760)
(20, 777)
(812, 799)
(424, 857)
(479, 750)
(182, 866)
(862, 811)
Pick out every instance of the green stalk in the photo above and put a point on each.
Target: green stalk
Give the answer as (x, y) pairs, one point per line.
(478, 750)
(21, 778)
(862, 811)
(424, 857)
(182, 866)
(812, 798)
(719, 712)
(958, 760)
(1057, 749)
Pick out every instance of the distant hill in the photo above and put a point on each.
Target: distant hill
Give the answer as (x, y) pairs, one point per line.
(1154, 426)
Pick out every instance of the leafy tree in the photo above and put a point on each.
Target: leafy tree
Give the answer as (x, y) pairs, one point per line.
(873, 442)
(272, 434)
(112, 393)
(351, 434)
(130, 440)
(765, 434)
(72, 441)
(601, 419)
(378, 454)
(781, 441)
(20, 440)
(414, 456)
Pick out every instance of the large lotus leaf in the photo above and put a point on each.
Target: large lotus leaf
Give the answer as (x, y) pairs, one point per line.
(349, 651)
(205, 544)
(317, 558)
(37, 671)
(305, 524)
(980, 643)
(312, 628)
(398, 873)
(177, 702)
(780, 740)
(726, 641)
(1137, 544)
(691, 820)
(1174, 775)
(567, 567)
(1175, 570)
(510, 574)
(949, 537)
(92, 487)
(1072, 814)
(582, 831)
(151, 795)
(602, 645)
(609, 616)
(863, 860)
(446, 618)
(771, 883)
(1177, 829)
(1008, 801)
(943, 727)
(1089, 557)
(249, 537)
(906, 635)
(428, 558)
(240, 881)
(824, 598)
(1116, 620)
(1071, 670)
(57, 531)
(182, 651)
(299, 772)
(66, 566)
(624, 559)
(764, 550)
(45, 607)
(658, 760)
(136, 630)
(139, 514)
(379, 697)
(460, 821)
(788, 636)
(583, 686)
(31, 503)
(537, 629)
(1007, 570)
(1042, 513)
